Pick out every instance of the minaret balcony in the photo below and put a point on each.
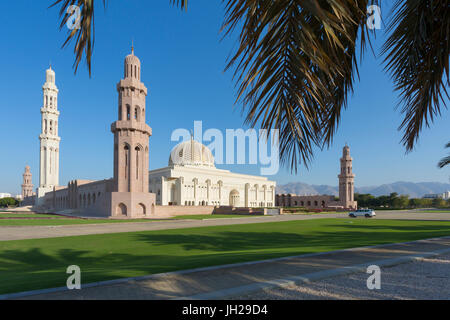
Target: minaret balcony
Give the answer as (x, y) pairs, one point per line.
(50, 110)
(46, 136)
(132, 125)
(132, 83)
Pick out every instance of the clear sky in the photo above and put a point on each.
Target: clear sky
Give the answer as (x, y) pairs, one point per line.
(183, 64)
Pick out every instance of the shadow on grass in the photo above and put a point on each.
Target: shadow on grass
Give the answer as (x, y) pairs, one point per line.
(37, 264)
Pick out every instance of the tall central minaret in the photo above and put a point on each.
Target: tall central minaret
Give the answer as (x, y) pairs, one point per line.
(346, 180)
(130, 196)
(131, 133)
(49, 139)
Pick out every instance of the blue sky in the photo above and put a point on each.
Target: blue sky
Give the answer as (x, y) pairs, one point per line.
(183, 64)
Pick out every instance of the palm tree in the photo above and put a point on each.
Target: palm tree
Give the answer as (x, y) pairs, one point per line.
(297, 61)
(446, 160)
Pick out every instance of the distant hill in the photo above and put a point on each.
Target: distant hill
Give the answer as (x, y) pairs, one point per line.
(413, 189)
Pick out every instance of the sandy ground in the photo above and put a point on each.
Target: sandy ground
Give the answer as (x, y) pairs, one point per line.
(427, 278)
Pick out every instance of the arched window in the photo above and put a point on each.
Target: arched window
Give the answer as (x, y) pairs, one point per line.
(137, 149)
(126, 150)
(136, 114)
(128, 112)
(120, 112)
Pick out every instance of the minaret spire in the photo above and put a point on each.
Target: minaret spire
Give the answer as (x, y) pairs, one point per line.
(49, 139)
(346, 180)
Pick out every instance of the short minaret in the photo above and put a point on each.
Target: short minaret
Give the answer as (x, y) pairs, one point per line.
(27, 186)
(346, 180)
(49, 139)
(131, 154)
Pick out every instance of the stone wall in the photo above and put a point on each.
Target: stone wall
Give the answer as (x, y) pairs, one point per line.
(170, 211)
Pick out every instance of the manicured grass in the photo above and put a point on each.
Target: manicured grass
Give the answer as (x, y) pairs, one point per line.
(436, 211)
(42, 263)
(213, 216)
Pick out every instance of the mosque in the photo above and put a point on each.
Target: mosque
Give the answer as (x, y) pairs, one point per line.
(189, 184)
(346, 191)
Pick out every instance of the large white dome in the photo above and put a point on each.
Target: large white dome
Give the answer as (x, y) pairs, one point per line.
(191, 153)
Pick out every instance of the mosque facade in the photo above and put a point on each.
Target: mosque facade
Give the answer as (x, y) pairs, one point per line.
(346, 191)
(190, 180)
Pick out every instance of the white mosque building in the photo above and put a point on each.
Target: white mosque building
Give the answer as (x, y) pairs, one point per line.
(190, 180)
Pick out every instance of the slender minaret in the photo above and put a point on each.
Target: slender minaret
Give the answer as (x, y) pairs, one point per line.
(346, 180)
(130, 196)
(27, 186)
(131, 133)
(49, 139)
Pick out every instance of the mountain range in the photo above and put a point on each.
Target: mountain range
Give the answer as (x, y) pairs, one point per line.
(413, 189)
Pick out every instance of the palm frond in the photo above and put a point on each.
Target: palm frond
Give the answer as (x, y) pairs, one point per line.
(295, 66)
(84, 36)
(417, 56)
(444, 161)
(180, 3)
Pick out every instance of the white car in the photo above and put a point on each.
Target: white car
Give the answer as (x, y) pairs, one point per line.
(368, 213)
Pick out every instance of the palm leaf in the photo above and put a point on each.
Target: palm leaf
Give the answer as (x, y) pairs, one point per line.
(84, 36)
(417, 56)
(444, 161)
(295, 66)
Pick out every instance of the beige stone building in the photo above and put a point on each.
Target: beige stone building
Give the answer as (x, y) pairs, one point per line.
(191, 184)
(126, 194)
(346, 191)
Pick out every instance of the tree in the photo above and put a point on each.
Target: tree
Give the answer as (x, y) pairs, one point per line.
(439, 203)
(296, 62)
(446, 160)
(8, 201)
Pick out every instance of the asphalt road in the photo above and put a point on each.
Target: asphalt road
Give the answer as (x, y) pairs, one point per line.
(36, 232)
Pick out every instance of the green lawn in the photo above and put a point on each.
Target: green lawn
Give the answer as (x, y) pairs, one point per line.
(41, 263)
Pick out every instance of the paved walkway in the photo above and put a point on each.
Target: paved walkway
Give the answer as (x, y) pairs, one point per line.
(232, 280)
(36, 232)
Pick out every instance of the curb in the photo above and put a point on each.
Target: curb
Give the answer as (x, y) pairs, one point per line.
(256, 286)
